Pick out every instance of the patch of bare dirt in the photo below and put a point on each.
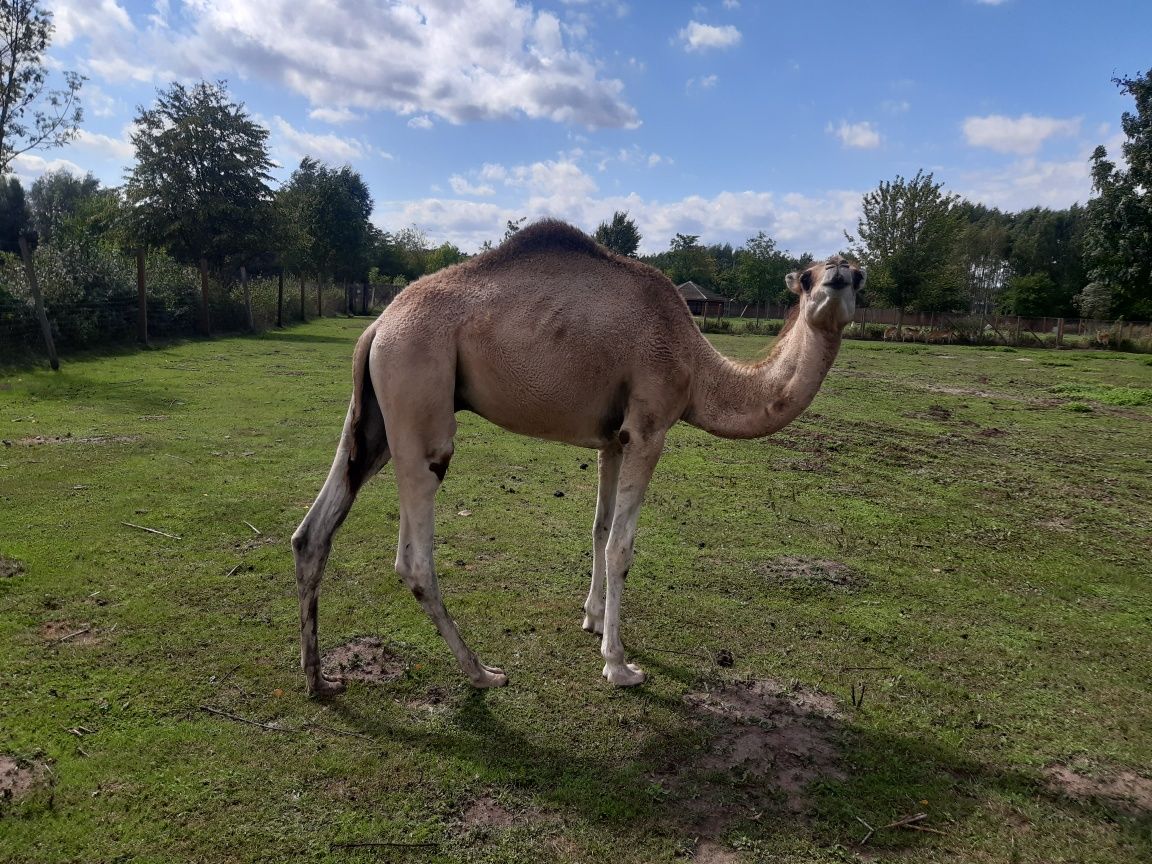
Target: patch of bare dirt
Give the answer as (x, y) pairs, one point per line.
(10, 567)
(709, 852)
(255, 542)
(37, 440)
(433, 700)
(933, 412)
(19, 777)
(811, 573)
(1122, 790)
(992, 432)
(772, 743)
(487, 812)
(67, 633)
(364, 658)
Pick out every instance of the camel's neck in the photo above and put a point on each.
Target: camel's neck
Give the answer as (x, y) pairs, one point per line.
(735, 400)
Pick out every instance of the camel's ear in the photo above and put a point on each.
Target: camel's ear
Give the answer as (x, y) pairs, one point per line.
(792, 280)
(858, 278)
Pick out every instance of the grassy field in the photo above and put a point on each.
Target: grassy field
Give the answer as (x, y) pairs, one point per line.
(927, 601)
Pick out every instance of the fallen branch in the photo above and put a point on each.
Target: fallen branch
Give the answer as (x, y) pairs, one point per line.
(152, 530)
(253, 527)
(236, 717)
(70, 635)
(233, 570)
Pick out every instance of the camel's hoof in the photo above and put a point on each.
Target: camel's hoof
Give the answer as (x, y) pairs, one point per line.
(625, 675)
(490, 676)
(325, 688)
(592, 625)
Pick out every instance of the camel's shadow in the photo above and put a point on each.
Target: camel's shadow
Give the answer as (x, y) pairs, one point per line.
(720, 769)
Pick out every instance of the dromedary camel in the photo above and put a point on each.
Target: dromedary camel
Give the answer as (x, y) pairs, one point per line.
(553, 336)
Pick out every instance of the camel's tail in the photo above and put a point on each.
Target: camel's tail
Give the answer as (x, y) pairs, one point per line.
(367, 440)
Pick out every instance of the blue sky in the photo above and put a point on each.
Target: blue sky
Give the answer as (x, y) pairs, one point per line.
(718, 118)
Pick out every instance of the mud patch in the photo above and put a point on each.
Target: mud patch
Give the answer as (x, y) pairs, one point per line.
(934, 412)
(20, 777)
(67, 633)
(364, 658)
(772, 743)
(810, 574)
(10, 567)
(38, 440)
(255, 543)
(435, 699)
(1121, 790)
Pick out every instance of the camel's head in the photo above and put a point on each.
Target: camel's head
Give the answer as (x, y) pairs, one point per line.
(828, 292)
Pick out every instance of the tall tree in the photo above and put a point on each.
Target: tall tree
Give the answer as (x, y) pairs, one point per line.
(56, 196)
(31, 117)
(907, 237)
(620, 234)
(199, 187)
(761, 269)
(1118, 239)
(686, 260)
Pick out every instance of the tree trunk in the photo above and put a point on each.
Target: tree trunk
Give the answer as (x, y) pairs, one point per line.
(280, 299)
(247, 299)
(303, 311)
(41, 315)
(205, 324)
(142, 300)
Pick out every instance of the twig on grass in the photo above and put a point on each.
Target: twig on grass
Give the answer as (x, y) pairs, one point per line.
(871, 831)
(253, 527)
(152, 530)
(68, 636)
(908, 822)
(209, 709)
(233, 570)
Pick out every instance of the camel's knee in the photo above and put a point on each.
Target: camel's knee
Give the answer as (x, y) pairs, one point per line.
(619, 557)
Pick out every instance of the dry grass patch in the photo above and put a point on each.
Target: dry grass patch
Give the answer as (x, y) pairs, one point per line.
(1121, 790)
(364, 658)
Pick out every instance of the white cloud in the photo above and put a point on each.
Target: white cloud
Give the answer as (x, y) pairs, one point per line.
(423, 121)
(334, 116)
(562, 189)
(97, 20)
(461, 186)
(731, 4)
(991, 2)
(326, 148)
(28, 167)
(708, 82)
(1023, 135)
(1031, 183)
(701, 37)
(105, 145)
(462, 62)
(861, 136)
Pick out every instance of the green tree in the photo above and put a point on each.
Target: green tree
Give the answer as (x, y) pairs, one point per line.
(31, 117)
(620, 234)
(686, 260)
(1118, 238)
(199, 187)
(57, 196)
(15, 217)
(444, 255)
(760, 270)
(907, 237)
(1051, 242)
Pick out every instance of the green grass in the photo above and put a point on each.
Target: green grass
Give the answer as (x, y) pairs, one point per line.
(994, 601)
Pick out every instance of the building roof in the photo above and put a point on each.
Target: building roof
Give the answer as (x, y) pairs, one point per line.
(692, 291)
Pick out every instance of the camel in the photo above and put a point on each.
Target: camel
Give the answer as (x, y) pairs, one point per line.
(553, 336)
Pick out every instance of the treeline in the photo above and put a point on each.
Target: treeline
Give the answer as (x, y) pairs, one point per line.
(199, 205)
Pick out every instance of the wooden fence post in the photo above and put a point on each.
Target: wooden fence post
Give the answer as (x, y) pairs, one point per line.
(142, 300)
(205, 324)
(280, 299)
(247, 299)
(41, 315)
(1059, 332)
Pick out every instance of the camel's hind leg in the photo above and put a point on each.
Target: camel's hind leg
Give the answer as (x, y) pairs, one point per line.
(313, 539)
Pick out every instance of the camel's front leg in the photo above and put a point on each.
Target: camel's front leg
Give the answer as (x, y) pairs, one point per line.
(417, 482)
(609, 469)
(639, 461)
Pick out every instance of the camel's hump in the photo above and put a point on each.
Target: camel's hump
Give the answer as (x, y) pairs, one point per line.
(548, 236)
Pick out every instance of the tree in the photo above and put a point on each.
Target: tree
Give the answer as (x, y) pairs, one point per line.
(199, 187)
(907, 237)
(688, 261)
(620, 235)
(444, 255)
(1118, 238)
(513, 226)
(761, 269)
(15, 216)
(57, 196)
(31, 117)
